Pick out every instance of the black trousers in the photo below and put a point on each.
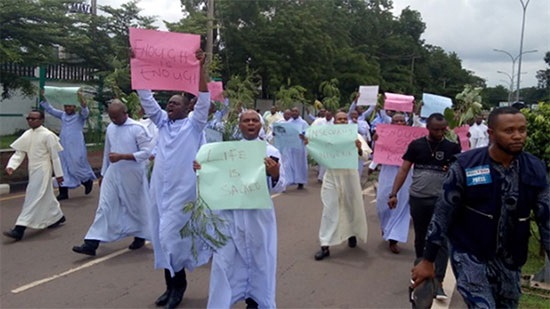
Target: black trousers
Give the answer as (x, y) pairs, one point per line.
(422, 210)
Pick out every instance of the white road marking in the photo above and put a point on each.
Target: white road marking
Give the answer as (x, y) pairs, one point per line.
(81, 267)
(70, 271)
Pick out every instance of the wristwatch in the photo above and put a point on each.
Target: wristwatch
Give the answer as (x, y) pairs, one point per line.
(392, 195)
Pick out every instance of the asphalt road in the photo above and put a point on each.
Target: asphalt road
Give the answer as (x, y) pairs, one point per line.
(41, 271)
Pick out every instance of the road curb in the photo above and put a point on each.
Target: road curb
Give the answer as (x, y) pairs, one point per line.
(4, 188)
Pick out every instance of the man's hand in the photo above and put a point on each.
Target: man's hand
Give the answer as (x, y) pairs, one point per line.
(9, 171)
(42, 97)
(201, 56)
(358, 145)
(304, 139)
(422, 271)
(59, 180)
(272, 168)
(196, 166)
(115, 157)
(392, 202)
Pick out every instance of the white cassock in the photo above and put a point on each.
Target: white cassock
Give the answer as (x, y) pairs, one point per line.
(343, 209)
(296, 158)
(247, 265)
(41, 146)
(173, 183)
(123, 198)
(478, 136)
(74, 157)
(394, 223)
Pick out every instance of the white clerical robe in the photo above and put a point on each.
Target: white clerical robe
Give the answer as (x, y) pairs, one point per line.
(123, 198)
(247, 265)
(174, 183)
(74, 157)
(343, 209)
(296, 158)
(41, 146)
(394, 223)
(478, 136)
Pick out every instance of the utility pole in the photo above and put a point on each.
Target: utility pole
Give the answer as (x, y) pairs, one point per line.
(524, 6)
(210, 29)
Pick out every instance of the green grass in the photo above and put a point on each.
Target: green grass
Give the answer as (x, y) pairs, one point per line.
(6, 140)
(534, 298)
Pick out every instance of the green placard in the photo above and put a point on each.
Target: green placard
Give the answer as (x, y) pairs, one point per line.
(233, 176)
(57, 96)
(333, 146)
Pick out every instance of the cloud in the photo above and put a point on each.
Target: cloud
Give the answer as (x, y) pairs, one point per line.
(470, 28)
(474, 28)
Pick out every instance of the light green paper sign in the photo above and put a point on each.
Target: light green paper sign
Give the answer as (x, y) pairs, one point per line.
(59, 96)
(233, 176)
(333, 146)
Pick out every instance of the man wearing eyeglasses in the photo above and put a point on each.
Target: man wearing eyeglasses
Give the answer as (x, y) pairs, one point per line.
(41, 146)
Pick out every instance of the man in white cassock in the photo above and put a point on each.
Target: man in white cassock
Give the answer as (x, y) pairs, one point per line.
(394, 222)
(173, 184)
(123, 199)
(74, 157)
(245, 268)
(344, 215)
(296, 160)
(41, 147)
(478, 133)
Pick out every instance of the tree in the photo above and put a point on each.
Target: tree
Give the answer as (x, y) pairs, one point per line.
(31, 32)
(543, 77)
(492, 96)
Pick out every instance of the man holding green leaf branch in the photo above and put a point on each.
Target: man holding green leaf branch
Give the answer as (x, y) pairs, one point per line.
(245, 267)
(173, 184)
(74, 157)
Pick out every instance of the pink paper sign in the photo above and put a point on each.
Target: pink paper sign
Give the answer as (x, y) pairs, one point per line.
(462, 133)
(164, 60)
(398, 102)
(216, 91)
(392, 142)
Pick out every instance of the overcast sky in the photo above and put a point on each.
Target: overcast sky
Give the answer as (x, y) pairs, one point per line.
(471, 28)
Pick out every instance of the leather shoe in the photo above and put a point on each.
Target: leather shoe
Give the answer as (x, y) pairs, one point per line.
(163, 299)
(61, 197)
(13, 234)
(84, 249)
(88, 185)
(58, 223)
(176, 295)
(394, 248)
(251, 303)
(323, 253)
(137, 243)
(352, 242)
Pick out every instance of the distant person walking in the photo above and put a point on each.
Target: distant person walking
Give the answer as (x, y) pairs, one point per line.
(41, 147)
(74, 157)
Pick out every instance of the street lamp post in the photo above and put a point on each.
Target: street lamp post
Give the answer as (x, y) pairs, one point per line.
(511, 83)
(514, 67)
(524, 6)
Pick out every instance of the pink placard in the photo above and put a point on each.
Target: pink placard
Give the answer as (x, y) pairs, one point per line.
(398, 102)
(164, 60)
(392, 142)
(216, 91)
(462, 133)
